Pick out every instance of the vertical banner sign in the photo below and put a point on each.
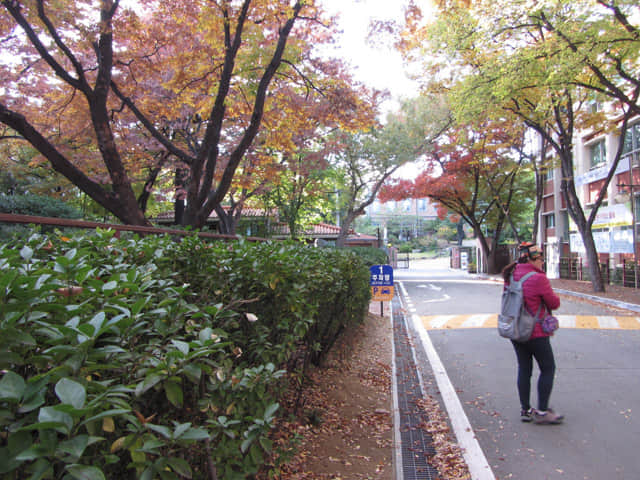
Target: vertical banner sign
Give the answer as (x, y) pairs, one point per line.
(381, 283)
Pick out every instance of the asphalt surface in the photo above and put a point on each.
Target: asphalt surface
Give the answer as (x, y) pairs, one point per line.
(596, 383)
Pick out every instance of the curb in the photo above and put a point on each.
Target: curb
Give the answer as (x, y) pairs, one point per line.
(605, 301)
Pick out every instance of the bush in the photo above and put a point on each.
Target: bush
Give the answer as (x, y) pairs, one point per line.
(37, 205)
(29, 204)
(157, 359)
(405, 247)
(370, 255)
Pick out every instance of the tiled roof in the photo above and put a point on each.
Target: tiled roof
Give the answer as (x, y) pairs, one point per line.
(246, 212)
(317, 230)
(361, 236)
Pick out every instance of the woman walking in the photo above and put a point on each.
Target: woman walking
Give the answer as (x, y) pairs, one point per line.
(538, 295)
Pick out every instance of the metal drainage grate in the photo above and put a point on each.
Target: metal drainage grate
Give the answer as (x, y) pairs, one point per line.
(416, 444)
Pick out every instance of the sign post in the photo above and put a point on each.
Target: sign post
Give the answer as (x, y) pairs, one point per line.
(381, 283)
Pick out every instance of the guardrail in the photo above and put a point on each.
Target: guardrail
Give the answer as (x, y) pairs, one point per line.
(69, 223)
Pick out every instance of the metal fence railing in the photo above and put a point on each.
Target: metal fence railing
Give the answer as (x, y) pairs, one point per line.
(627, 274)
(10, 218)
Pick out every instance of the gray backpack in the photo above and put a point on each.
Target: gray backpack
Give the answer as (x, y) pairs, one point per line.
(514, 321)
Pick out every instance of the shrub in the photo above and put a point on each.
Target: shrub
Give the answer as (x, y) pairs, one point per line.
(37, 205)
(29, 204)
(157, 359)
(370, 255)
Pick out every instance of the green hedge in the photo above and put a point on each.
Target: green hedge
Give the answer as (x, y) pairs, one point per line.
(29, 204)
(370, 255)
(37, 205)
(158, 359)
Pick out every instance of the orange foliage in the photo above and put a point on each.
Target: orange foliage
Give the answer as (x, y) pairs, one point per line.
(196, 82)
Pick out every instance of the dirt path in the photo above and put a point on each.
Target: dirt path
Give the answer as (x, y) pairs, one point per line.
(348, 434)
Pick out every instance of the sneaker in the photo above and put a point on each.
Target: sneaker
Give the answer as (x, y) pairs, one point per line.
(526, 415)
(548, 417)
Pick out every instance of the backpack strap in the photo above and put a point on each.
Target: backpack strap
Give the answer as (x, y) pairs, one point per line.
(521, 281)
(526, 276)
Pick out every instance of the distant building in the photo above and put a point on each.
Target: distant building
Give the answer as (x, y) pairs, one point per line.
(413, 213)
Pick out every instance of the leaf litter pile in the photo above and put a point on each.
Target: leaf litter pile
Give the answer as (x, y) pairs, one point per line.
(341, 423)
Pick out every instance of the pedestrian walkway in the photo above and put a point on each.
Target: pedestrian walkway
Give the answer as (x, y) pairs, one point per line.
(490, 320)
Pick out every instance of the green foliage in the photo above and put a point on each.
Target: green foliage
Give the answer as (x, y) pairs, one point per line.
(288, 287)
(148, 357)
(38, 205)
(370, 255)
(405, 247)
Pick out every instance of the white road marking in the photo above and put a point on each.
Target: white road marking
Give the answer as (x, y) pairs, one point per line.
(608, 322)
(475, 321)
(441, 299)
(440, 321)
(567, 321)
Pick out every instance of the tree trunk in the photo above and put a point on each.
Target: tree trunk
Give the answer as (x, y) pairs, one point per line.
(484, 246)
(344, 229)
(577, 214)
(178, 211)
(180, 184)
(593, 262)
(224, 221)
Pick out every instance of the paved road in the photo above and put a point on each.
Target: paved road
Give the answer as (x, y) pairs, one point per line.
(596, 385)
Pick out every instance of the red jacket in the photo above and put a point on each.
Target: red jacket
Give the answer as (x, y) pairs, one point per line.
(535, 290)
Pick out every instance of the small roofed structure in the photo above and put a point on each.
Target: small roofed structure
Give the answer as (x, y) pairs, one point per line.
(326, 233)
(256, 221)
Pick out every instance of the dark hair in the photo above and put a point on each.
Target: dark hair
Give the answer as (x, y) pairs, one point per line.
(529, 250)
(524, 257)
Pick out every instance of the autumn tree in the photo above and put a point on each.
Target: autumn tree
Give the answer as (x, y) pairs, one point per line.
(287, 162)
(367, 160)
(104, 93)
(544, 63)
(602, 38)
(479, 175)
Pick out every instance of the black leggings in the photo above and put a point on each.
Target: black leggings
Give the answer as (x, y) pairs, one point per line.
(540, 349)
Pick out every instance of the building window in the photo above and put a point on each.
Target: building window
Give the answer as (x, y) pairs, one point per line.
(406, 206)
(549, 221)
(422, 204)
(595, 106)
(564, 217)
(548, 174)
(598, 154)
(632, 139)
(631, 146)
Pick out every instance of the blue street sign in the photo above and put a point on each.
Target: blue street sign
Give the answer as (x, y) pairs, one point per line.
(381, 276)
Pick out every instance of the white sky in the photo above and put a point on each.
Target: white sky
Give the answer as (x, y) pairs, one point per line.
(380, 67)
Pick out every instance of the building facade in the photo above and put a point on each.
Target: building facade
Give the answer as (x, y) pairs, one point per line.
(413, 213)
(615, 228)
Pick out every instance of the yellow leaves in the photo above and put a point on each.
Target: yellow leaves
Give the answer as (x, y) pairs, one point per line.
(108, 425)
(117, 444)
